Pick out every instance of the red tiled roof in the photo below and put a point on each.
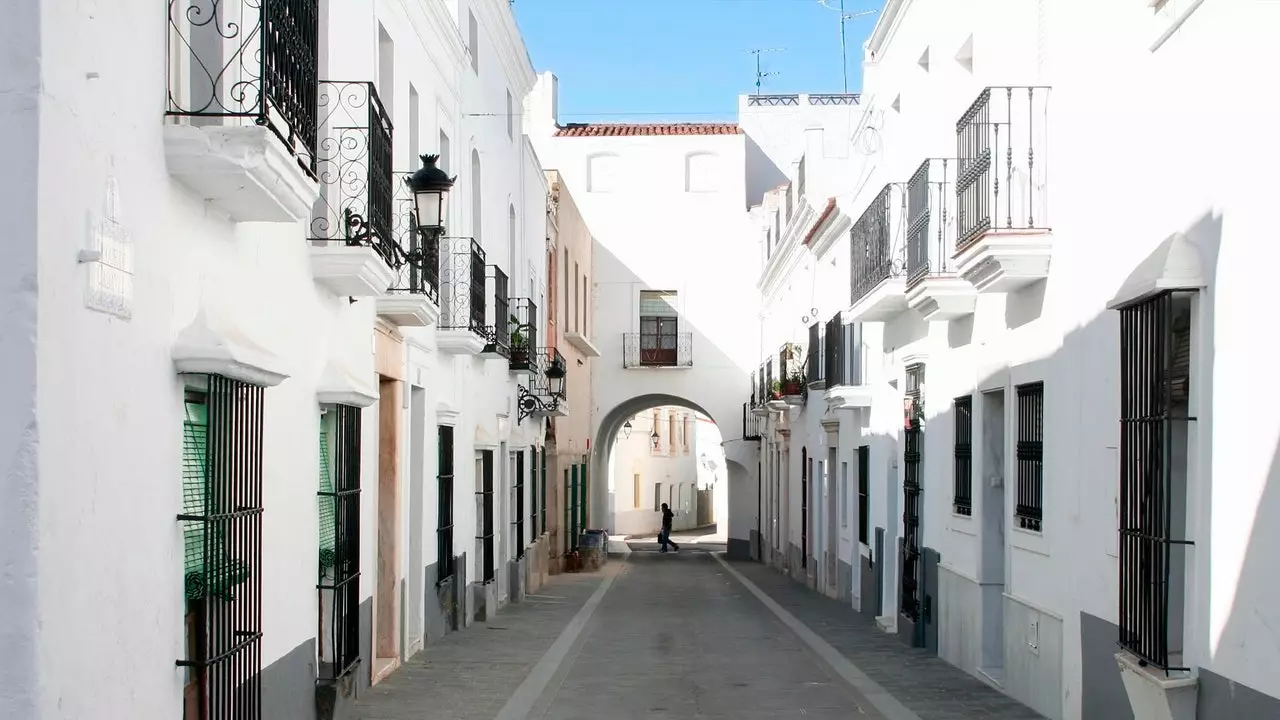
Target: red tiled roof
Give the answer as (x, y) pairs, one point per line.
(826, 213)
(633, 129)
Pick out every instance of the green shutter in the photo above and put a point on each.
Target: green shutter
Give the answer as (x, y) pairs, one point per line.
(327, 501)
(207, 568)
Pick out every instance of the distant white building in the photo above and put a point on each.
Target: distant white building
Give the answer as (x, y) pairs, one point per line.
(1051, 480)
(665, 455)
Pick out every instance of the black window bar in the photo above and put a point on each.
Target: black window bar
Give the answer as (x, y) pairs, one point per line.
(1155, 363)
(462, 286)
(833, 352)
(518, 523)
(542, 510)
(533, 494)
(864, 494)
(804, 507)
(484, 510)
(816, 363)
(498, 333)
(773, 388)
(1029, 507)
(524, 335)
(339, 583)
(930, 240)
(445, 559)
(357, 200)
(762, 387)
(962, 492)
(875, 259)
(247, 61)
(222, 532)
(999, 140)
(913, 441)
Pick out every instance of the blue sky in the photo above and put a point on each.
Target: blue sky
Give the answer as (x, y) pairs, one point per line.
(686, 60)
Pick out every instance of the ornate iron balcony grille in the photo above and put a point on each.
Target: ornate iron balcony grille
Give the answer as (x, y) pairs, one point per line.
(339, 584)
(1155, 362)
(222, 529)
(353, 165)
(931, 220)
(962, 491)
(755, 390)
(791, 369)
(498, 333)
(1001, 179)
(462, 302)
(842, 352)
(661, 349)
(874, 255)
(484, 519)
(1029, 507)
(251, 61)
(524, 335)
(536, 397)
(444, 508)
(417, 253)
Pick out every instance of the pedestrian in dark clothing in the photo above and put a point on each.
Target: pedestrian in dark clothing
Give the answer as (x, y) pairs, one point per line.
(665, 536)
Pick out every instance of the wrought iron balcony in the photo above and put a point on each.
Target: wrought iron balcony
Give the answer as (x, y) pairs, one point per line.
(355, 209)
(462, 286)
(546, 393)
(653, 350)
(247, 63)
(523, 322)
(1001, 181)
(497, 332)
(814, 365)
(791, 358)
(878, 258)
(772, 385)
(935, 288)
(843, 353)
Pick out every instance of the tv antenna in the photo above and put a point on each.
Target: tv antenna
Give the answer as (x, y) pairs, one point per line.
(844, 16)
(760, 75)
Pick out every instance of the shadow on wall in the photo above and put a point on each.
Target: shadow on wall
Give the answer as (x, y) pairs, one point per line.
(762, 174)
(1087, 365)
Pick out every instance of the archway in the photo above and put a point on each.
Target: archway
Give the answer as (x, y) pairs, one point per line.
(603, 504)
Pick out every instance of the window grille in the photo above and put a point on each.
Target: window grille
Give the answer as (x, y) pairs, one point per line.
(339, 582)
(518, 523)
(962, 494)
(1029, 509)
(484, 512)
(444, 508)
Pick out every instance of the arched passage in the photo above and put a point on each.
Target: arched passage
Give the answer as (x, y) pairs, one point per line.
(605, 438)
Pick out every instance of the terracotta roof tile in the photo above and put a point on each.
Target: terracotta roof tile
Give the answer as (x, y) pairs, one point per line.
(822, 219)
(634, 129)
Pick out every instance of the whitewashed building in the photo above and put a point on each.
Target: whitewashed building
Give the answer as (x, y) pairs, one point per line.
(668, 298)
(295, 466)
(1062, 493)
(664, 455)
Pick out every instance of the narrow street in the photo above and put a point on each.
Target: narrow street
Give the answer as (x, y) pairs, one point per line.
(684, 635)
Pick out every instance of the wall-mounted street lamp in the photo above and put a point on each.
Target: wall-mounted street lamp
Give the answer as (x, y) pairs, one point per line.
(555, 378)
(626, 430)
(653, 438)
(430, 187)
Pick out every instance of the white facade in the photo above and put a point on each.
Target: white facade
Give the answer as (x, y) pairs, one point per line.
(665, 206)
(1020, 578)
(152, 251)
(666, 455)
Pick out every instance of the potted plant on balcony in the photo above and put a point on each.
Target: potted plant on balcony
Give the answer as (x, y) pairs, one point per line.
(775, 390)
(519, 346)
(793, 384)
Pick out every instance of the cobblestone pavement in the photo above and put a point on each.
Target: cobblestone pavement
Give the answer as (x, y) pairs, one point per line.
(678, 636)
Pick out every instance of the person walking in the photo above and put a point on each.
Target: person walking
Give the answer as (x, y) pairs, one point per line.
(664, 537)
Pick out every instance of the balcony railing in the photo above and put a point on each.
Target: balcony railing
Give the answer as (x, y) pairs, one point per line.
(791, 365)
(417, 254)
(772, 100)
(1001, 181)
(875, 256)
(462, 293)
(250, 62)
(770, 392)
(498, 330)
(834, 99)
(523, 323)
(931, 238)
(640, 350)
(353, 163)
(814, 365)
(843, 353)
(537, 398)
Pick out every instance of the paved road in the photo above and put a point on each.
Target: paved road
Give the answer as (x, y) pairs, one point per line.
(680, 635)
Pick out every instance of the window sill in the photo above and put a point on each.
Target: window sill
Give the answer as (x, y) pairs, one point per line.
(1030, 541)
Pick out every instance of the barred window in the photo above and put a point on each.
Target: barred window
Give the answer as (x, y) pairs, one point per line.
(1029, 509)
(339, 500)
(444, 503)
(962, 492)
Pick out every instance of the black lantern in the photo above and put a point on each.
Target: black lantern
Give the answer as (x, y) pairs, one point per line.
(626, 430)
(430, 187)
(555, 377)
(653, 438)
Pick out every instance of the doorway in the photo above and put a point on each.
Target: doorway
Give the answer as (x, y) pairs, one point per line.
(992, 567)
(387, 588)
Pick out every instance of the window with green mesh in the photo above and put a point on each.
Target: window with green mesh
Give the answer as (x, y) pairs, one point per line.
(326, 497)
(195, 486)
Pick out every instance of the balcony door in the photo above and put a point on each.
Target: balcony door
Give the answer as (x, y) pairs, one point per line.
(658, 340)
